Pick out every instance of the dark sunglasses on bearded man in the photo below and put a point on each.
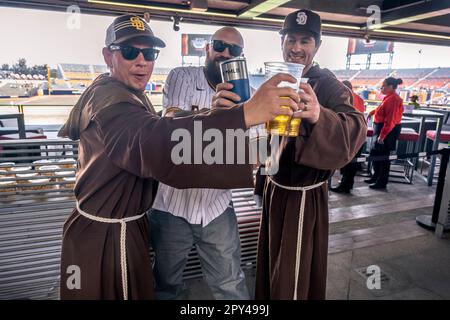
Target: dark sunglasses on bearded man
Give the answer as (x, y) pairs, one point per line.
(220, 46)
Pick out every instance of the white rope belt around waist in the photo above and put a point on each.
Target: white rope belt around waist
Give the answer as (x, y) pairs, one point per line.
(300, 224)
(123, 242)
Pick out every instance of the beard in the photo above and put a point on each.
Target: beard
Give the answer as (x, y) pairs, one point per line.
(212, 70)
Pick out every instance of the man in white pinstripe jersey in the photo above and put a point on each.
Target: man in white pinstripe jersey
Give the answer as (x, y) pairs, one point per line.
(181, 218)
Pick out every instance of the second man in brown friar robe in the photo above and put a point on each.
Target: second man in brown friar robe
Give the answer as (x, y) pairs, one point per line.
(124, 148)
(293, 238)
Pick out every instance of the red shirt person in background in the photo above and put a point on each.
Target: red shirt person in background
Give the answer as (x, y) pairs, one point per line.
(387, 127)
(349, 171)
(358, 102)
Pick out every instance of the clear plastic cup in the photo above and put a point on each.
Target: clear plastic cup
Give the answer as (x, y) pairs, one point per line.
(294, 69)
(284, 125)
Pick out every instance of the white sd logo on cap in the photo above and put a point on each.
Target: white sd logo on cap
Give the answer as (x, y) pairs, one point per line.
(301, 18)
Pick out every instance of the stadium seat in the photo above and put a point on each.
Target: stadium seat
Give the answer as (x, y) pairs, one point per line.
(409, 134)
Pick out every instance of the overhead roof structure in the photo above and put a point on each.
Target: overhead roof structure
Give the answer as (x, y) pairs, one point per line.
(419, 21)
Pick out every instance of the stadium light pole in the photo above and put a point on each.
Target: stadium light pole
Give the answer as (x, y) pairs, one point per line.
(420, 56)
(49, 80)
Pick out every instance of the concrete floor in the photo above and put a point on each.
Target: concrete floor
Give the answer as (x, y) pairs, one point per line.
(378, 228)
(415, 268)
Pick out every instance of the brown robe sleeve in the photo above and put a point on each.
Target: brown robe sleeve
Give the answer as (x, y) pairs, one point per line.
(140, 142)
(338, 134)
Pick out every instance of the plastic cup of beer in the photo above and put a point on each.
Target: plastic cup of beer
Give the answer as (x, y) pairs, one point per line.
(281, 125)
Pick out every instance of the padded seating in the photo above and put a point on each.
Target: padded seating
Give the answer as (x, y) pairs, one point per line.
(411, 137)
(409, 134)
(444, 137)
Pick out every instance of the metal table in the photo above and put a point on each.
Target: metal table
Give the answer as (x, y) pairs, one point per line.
(445, 111)
(20, 122)
(423, 115)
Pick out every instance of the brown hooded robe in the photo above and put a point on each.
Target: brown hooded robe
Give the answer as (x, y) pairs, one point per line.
(305, 160)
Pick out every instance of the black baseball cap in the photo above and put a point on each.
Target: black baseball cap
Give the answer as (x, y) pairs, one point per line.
(127, 27)
(303, 20)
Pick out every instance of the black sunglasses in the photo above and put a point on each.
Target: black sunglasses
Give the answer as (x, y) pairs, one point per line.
(220, 46)
(131, 53)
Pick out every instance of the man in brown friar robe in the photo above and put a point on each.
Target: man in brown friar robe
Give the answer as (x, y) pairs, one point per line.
(293, 240)
(124, 147)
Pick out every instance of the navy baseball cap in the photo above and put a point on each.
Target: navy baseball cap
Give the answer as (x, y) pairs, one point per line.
(127, 27)
(303, 20)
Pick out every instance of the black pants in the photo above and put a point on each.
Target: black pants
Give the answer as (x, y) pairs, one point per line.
(349, 172)
(381, 168)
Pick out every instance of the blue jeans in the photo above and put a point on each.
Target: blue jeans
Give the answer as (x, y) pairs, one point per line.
(218, 246)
